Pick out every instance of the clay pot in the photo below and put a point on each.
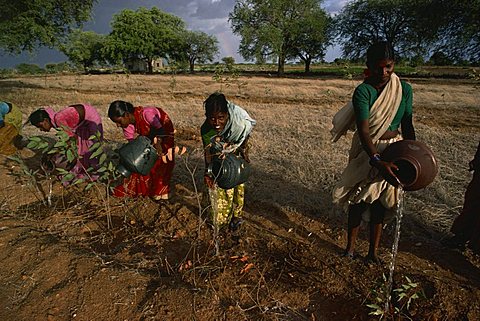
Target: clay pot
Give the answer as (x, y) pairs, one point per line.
(230, 171)
(417, 166)
(137, 156)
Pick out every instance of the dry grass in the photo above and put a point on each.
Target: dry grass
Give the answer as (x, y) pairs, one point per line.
(295, 165)
(288, 196)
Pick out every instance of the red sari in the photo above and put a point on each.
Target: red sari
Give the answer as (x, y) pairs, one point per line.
(157, 183)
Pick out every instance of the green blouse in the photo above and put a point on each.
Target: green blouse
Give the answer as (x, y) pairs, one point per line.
(365, 95)
(207, 133)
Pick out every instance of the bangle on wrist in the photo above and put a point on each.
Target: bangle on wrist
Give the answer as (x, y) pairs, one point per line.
(374, 159)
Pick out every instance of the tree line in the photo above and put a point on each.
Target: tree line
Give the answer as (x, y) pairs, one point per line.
(270, 30)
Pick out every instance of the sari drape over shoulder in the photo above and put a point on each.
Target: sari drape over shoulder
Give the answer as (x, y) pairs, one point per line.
(226, 204)
(360, 181)
(237, 129)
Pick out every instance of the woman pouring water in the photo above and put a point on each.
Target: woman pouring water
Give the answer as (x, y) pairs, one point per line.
(154, 123)
(80, 122)
(226, 130)
(381, 109)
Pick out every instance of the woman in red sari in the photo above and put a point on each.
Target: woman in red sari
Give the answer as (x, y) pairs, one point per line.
(155, 124)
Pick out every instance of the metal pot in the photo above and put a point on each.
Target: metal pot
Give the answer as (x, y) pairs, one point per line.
(230, 171)
(137, 156)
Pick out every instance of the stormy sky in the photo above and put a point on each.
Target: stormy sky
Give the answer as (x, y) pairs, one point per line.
(209, 16)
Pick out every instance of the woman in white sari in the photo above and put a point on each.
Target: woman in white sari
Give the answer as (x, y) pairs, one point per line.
(381, 109)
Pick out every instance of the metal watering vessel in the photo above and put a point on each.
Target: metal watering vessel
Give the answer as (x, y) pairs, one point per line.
(137, 156)
(230, 171)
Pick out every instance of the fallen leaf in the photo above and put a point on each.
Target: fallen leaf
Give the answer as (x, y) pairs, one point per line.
(185, 266)
(239, 258)
(246, 268)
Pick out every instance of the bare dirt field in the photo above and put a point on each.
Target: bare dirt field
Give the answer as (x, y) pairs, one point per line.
(92, 257)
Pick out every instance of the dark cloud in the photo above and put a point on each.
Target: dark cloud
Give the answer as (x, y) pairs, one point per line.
(104, 11)
(210, 16)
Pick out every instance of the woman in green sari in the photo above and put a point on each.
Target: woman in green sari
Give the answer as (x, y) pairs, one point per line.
(381, 108)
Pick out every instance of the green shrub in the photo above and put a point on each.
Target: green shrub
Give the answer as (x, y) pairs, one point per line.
(29, 69)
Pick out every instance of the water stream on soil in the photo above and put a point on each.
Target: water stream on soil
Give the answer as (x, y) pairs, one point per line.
(212, 192)
(398, 220)
(50, 190)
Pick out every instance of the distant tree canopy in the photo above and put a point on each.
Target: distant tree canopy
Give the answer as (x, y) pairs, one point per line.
(440, 59)
(29, 69)
(313, 36)
(414, 27)
(53, 68)
(144, 34)
(200, 47)
(26, 24)
(228, 60)
(270, 28)
(459, 31)
(84, 48)
(400, 22)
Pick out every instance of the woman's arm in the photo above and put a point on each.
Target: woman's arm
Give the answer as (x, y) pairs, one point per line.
(408, 131)
(157, 132)
(387, 169)
(363, 129)
(209, 180)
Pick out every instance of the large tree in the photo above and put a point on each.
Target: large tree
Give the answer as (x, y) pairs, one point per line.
(144, 34)
(84, 48)
(404, 23)
(459, 28)
(269, 28)
(200, 47)
(27, 24)
(314, 35)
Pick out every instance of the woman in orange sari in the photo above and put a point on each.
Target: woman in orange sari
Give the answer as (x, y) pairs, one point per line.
(154, 123)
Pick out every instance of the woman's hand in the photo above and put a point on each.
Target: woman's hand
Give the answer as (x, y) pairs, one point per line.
(157, 143)
(387, 170)
(209, 181)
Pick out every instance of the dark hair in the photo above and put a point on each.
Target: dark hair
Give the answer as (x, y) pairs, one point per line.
(38, 116)
(379, 51)
(215, 103)
(118, 108)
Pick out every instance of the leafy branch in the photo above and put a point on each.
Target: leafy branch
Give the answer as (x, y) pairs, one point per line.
(405, 294)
